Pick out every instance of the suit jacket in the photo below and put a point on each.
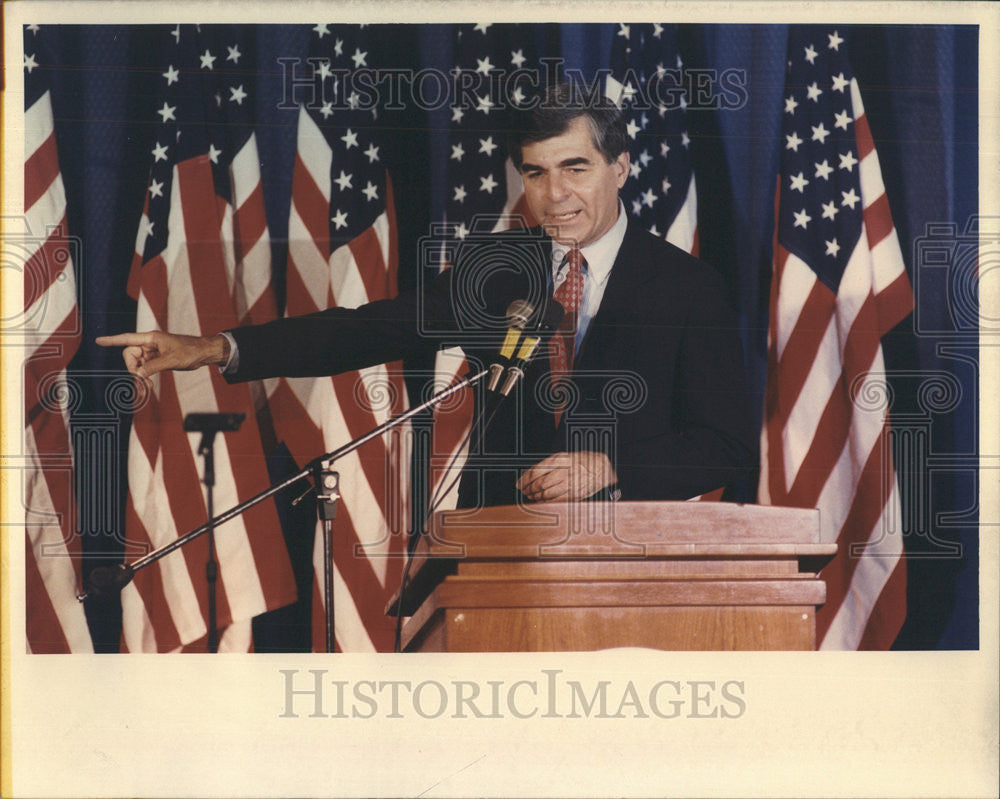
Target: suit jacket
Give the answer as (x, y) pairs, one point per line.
(657, 382)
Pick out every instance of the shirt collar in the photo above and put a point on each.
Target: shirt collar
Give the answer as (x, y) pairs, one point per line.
(600, 255)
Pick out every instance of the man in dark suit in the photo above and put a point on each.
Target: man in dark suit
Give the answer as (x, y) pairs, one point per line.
(642, 396)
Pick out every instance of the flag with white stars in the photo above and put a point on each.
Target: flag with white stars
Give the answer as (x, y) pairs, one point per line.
(202, 264)
(822, 211)
(482, 187)
(838, 286)
(342, 251)
(54, 619)
(485, 194)
(660, 192)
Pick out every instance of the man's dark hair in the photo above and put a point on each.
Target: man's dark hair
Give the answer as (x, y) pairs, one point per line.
(556, 109)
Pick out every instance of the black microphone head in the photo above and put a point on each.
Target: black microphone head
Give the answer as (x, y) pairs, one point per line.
(542, 326)
(105, 580)
(518, 313)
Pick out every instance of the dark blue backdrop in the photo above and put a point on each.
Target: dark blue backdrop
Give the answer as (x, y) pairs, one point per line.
(919, 85)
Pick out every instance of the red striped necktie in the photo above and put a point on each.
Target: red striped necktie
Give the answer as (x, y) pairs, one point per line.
(569, 294)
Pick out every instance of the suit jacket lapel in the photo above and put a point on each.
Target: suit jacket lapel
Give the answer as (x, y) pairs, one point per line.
(631, 269)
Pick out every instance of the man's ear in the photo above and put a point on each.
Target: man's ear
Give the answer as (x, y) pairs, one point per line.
(622, 168)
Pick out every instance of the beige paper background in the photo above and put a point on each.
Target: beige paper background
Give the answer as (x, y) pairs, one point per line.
(816, 724)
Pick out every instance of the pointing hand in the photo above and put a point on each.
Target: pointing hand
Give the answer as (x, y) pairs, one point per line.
(148, 353)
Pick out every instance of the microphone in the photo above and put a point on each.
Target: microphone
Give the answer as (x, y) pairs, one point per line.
(518, 314)
(106, 580)
(530, 343)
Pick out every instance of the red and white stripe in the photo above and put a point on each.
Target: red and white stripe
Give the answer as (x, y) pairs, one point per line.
(317, 415)
(683, 231)
(55, 621)
(825, 441)
(215, 252)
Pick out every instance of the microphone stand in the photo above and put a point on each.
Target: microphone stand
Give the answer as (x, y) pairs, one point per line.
(208, 424)
(327, 484)
(105, 579)
(207, 450)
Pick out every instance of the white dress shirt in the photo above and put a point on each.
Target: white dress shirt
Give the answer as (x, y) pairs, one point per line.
(599, 256)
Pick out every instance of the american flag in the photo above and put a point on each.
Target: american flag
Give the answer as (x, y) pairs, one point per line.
(484, 194)
(202, 264)
(839, 285)
(343, 252)
(660, 192)
(55, 620)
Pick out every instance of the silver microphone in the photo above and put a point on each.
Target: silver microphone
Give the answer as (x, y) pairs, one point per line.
(518, 314)
(530, 344)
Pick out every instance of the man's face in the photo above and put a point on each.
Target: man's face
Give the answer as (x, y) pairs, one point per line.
(569, 186)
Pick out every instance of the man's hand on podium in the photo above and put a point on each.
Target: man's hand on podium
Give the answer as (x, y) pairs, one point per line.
(146, 354)
(567, 477)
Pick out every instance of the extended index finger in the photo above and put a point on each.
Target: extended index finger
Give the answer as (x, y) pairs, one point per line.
(127, 340)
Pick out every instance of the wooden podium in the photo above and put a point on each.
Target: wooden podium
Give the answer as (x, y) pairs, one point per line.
(585, 576)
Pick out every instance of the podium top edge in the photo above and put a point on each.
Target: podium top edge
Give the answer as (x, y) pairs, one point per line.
(632, 522)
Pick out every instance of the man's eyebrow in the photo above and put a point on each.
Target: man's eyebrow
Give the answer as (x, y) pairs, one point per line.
(567, 162)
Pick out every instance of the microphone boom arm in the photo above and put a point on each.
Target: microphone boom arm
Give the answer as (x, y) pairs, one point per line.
(117, 577)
